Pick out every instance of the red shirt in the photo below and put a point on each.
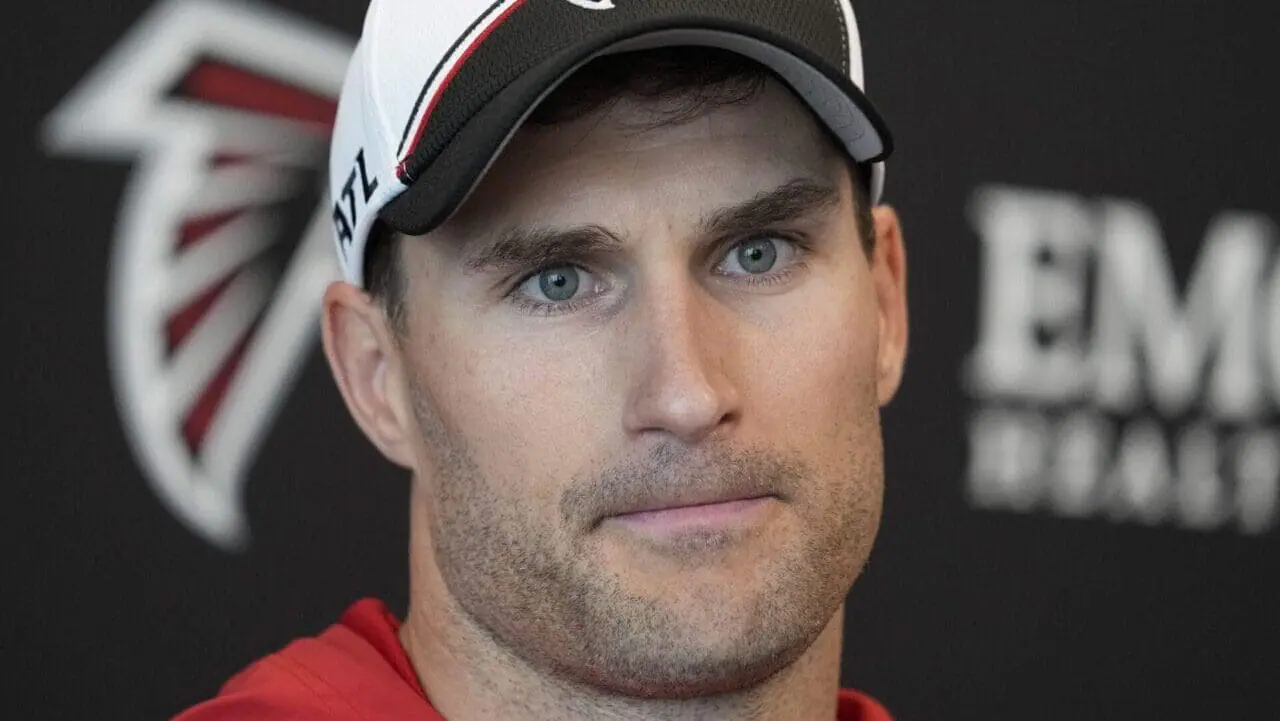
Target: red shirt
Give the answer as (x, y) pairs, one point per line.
(358, 671)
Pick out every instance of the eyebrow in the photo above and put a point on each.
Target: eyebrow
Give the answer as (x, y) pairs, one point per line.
(517, 248)
(531, 247)
(787, 202)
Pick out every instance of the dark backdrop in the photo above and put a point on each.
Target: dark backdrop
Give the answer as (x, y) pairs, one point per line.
(1082, 465)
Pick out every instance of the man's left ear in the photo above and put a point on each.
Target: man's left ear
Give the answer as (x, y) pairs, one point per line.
(889, 275)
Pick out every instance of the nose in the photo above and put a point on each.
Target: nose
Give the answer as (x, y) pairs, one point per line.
(681, 356)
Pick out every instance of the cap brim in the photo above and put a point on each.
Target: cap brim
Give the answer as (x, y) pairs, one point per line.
(446, 183)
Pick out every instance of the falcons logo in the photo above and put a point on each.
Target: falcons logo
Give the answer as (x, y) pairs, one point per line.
(226, 110)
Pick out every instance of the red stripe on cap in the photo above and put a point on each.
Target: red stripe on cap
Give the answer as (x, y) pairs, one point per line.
(444, 85)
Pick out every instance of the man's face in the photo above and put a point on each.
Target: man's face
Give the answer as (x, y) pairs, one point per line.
(646, 365)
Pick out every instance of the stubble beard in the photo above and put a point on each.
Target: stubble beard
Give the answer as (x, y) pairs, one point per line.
(540, 593)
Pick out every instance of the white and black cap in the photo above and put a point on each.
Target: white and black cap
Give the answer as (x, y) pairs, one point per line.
(436, 89)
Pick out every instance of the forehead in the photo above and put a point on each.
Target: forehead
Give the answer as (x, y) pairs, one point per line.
(631, 154)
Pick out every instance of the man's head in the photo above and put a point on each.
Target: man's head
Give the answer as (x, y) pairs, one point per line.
(667, 293)
(680, 83)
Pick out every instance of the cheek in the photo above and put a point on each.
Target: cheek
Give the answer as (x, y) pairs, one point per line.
(823, 405)
(521, 407)
(819, 357)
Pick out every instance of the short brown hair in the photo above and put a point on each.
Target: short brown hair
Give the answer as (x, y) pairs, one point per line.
(689, 81)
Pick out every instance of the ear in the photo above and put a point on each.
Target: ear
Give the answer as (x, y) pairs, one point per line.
(889, 275)
(364, 357)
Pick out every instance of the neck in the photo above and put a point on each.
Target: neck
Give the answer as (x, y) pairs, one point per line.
(469, 676)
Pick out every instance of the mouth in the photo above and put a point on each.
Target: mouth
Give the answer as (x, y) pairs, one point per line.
(693, 502)
(701, 516)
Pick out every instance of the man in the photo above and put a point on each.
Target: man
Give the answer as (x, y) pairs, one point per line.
(616, 294)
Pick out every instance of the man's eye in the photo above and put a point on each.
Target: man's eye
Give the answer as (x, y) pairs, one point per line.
(758, 256)
(554, 285)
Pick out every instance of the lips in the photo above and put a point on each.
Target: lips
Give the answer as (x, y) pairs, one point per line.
(676, 493)
(671, 478)
(692, 500)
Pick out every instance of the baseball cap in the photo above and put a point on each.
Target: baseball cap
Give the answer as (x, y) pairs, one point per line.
(435, 90)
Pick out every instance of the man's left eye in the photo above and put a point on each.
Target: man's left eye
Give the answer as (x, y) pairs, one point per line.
(757, 256)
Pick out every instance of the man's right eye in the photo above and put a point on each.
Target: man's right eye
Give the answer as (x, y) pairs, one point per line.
(555, 285)
(555, 289)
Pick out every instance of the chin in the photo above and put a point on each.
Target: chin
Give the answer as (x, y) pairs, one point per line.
(693, 672)
(706, 639)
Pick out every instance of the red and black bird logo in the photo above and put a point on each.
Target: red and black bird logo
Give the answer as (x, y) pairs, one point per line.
(223, 244)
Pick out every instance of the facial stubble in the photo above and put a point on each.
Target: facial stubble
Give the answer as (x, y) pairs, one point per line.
(532, 580)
